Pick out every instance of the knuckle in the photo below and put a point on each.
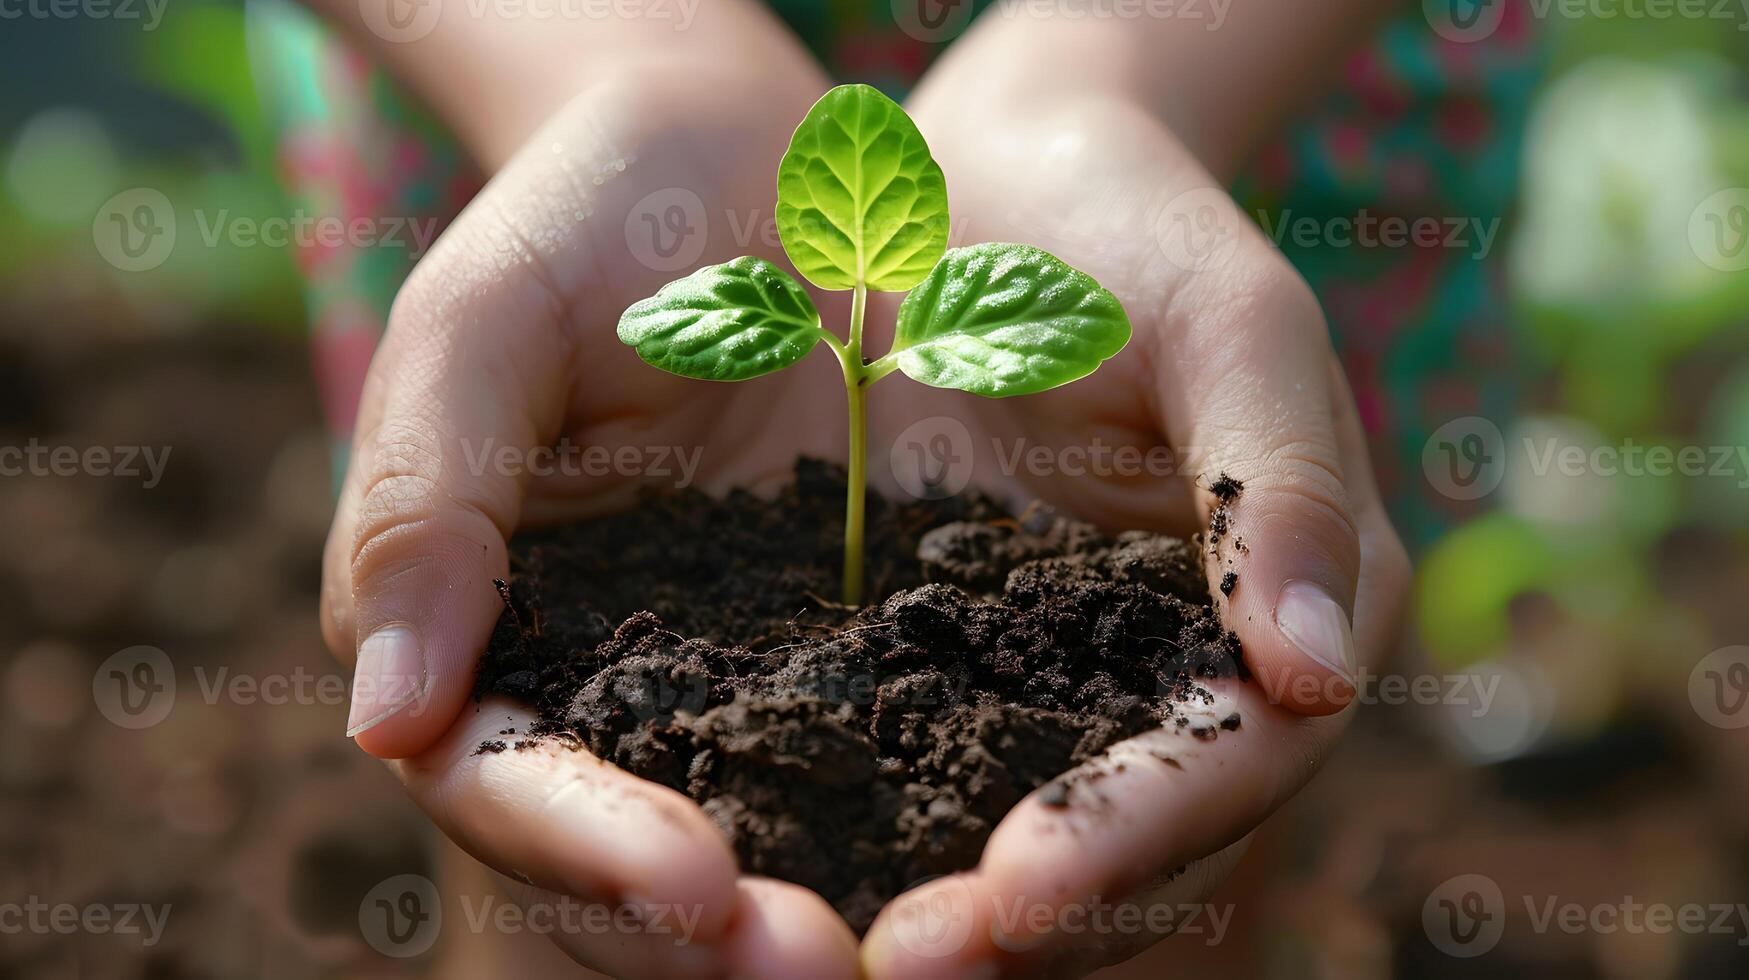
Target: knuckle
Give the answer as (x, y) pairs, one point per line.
(404, 505)
(1306, 474)
(394, 507)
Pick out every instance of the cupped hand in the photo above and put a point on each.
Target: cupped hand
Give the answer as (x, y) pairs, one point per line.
(501, 345)
(1229, 371)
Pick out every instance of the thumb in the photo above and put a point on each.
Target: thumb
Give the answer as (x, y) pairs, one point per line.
(1289, 562)
(469, 378)
(1283, 552)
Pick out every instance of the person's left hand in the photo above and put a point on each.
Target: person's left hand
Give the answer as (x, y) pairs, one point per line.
(1231, 368)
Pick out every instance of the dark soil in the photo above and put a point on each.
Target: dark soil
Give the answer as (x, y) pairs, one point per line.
(853, 752)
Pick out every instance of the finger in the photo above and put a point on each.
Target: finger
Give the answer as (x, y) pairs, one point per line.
(1142, 818)
(1176, 905)
(1152, 804)
(783, 931)
(928, 931)
(776, 930)
(1241, 366)
(473, 369)
(567, 824)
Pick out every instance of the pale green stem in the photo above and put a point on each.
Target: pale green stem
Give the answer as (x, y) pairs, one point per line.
(855, 382)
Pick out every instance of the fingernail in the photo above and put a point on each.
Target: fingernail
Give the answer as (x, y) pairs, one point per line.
(390, 676)
(1318, 625)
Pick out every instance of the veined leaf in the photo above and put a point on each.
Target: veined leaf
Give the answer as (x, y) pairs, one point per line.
(1000, 320)
(726, 322)
(859, 198)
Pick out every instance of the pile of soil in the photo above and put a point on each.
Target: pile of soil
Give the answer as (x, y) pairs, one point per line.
(853, 752)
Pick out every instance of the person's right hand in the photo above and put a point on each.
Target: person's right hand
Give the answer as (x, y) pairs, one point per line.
(503, 341)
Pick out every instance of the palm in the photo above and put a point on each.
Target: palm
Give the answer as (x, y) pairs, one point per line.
(1078, 187)
(502, 344)
(694, 190)
(1229, 366)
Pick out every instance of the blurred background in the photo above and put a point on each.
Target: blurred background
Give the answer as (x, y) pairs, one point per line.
(1565, 723)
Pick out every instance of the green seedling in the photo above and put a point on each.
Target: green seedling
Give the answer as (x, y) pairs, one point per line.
(861, 205)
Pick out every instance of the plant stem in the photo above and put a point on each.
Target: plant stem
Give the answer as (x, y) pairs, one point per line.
(853, 506)
(855, 383)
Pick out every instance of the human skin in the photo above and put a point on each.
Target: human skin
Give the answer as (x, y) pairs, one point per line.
(505, 333)
(1231, 366)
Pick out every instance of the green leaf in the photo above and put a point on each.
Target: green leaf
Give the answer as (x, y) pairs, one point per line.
(726, 322)
(859, 198)
(1000, 320)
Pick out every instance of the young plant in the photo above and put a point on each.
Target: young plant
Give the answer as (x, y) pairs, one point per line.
(861, 205)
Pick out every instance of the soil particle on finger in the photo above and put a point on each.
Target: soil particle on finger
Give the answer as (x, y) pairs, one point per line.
(1226, 490)
(852, 751)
